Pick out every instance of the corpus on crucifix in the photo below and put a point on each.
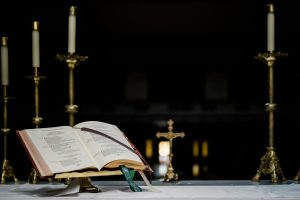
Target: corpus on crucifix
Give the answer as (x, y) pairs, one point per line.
(170, 135)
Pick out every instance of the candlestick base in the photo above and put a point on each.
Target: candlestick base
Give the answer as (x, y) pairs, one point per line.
(7, 172)
(296, 178)
(270, 166)
(34, 178)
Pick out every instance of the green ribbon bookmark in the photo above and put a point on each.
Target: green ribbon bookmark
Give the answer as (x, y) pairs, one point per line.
(129, 174)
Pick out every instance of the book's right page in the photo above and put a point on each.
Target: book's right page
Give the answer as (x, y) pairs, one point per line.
(108, 152)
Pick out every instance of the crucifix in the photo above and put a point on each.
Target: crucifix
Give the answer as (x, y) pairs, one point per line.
(170, 135)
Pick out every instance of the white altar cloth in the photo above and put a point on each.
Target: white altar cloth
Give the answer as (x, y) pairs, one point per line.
(230, 190)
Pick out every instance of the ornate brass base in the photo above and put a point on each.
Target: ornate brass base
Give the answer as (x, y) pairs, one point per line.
(33, 177)
(171, 176)
(296, 178)
(270, 166)
(7, 172)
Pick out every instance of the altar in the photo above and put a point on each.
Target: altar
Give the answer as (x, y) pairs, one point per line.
(203, 190)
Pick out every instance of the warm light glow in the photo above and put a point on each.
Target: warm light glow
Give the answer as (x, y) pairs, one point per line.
(162, 170)
(205, 149)
(196, 170)
(196, 148)
(164, 151)
(149, 148)
(164, 148)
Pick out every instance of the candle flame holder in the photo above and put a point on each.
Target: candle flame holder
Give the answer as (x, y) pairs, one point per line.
(270, 164)
(7, 170)
(72, 61)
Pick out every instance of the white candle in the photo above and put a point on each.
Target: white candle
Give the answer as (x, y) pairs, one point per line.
(271, 29)
(4, 61)
(35, 45)
(72, 30)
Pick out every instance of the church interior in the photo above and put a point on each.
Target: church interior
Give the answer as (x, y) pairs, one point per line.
(151, 61)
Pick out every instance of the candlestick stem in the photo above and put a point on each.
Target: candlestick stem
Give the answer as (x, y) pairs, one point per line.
(72, 61)
(36, 120)
(270, 162)
(7, 170)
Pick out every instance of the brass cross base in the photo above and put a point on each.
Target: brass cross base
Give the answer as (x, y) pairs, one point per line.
(171, 176)
(7, 172)
(270, 166)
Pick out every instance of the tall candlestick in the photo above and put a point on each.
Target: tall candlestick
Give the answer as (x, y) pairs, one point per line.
(271, 29)
(35, 45)
(4, 61)
(72, 30)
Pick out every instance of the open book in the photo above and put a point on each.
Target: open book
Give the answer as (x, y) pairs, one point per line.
(91, 147)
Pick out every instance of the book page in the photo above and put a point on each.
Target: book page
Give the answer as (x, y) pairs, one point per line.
(105, 150)
(57, 148)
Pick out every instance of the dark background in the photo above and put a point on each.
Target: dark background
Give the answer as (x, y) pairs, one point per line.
(155, 60)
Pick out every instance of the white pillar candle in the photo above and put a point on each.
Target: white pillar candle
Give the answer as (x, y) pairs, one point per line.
(271, 29)
(72, 30)
(35, 45)
(4, 61)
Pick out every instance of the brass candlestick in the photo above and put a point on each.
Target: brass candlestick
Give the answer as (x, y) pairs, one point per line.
(270, 162)
(7, 170)
(36, 120)
(72, 60)
(170, 135)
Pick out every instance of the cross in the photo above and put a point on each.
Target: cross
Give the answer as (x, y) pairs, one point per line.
(170, 135)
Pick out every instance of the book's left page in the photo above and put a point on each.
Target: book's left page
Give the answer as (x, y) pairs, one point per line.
(55, 150)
